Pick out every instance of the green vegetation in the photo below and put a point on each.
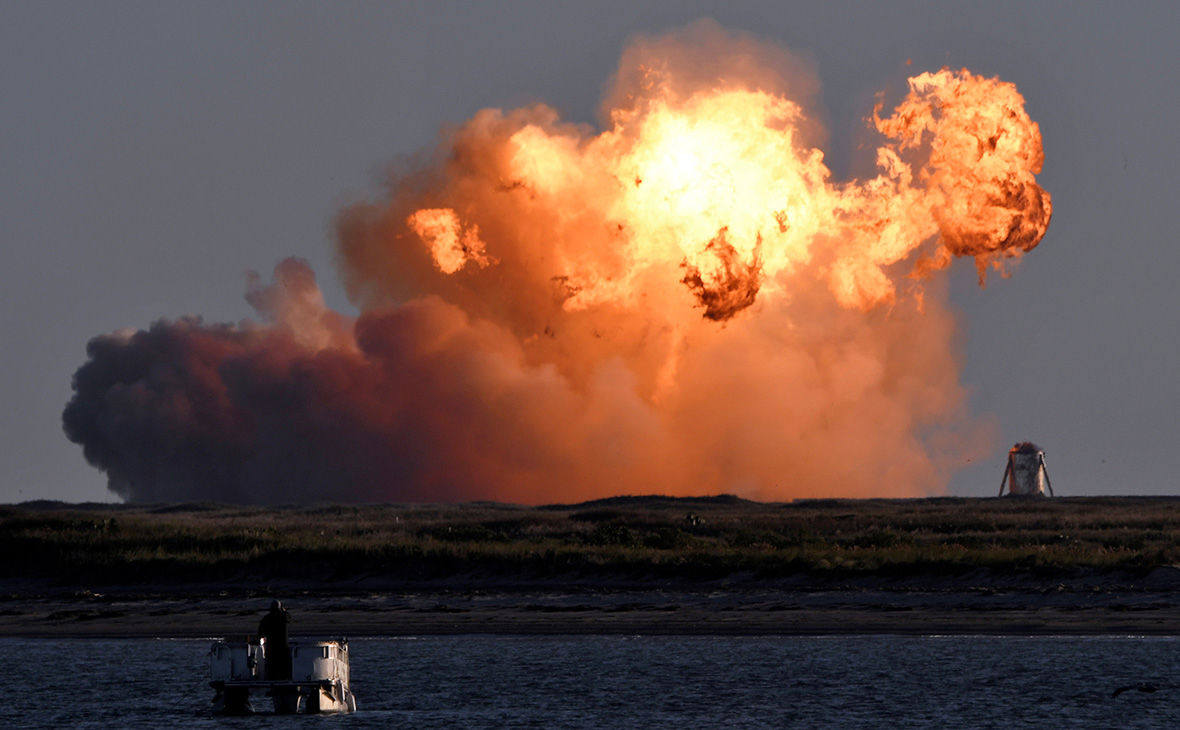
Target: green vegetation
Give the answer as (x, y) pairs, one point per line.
(626, 538)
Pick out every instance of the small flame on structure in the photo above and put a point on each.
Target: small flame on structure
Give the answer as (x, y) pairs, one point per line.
(683, 302)
(1024, 447)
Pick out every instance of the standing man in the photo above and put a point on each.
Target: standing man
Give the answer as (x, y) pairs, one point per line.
(273, 628)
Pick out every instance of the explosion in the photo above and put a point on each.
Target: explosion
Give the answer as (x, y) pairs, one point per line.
(684, 302)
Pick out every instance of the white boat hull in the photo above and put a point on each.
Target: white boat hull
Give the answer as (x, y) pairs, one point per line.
(319, 680)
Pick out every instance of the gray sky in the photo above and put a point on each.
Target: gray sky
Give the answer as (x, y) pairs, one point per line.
(151, 153)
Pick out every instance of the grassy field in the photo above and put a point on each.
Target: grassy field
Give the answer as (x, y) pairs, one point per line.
(623, 538)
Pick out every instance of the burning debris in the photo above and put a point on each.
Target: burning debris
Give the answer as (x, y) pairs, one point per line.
(730, 287)
(531, 323)
(1026, 474)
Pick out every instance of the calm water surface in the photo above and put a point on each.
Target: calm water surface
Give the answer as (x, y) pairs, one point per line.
(629, 682)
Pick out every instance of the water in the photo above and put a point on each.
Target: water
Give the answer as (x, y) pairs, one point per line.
(628, 682)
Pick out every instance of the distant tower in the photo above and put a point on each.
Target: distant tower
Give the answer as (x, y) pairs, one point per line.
(1026, 474)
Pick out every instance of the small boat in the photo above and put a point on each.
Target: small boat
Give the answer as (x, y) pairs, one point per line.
(318, 683)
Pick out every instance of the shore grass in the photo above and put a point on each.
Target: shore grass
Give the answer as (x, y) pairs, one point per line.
(624, 539)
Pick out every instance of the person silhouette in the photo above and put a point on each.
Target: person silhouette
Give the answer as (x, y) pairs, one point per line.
(273, 628)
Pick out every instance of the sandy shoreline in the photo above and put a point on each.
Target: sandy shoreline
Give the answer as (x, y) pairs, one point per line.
(632, 612)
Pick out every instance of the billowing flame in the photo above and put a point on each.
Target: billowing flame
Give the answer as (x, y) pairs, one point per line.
(684, 302)
(717, 182)
(451, 247)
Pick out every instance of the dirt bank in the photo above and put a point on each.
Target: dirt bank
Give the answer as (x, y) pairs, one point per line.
(798, 610)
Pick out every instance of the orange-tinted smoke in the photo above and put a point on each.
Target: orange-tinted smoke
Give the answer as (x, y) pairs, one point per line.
(684, 302)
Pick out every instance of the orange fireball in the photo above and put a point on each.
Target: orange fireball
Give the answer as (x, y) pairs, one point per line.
(718, 183)
(683, 301)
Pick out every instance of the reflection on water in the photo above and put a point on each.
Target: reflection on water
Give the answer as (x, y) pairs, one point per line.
(629, 682)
